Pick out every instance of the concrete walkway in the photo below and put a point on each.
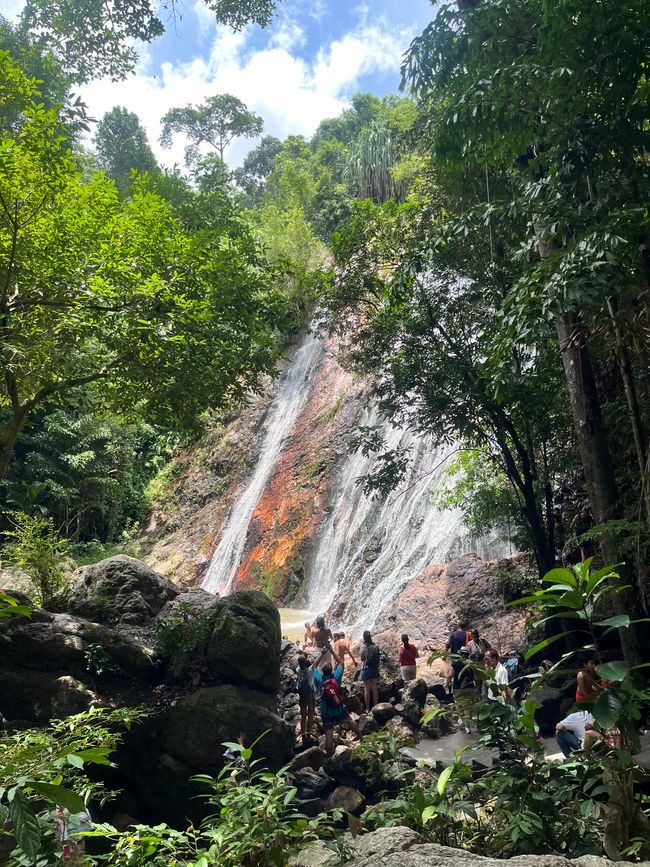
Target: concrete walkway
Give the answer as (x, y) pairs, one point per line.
(443, 750)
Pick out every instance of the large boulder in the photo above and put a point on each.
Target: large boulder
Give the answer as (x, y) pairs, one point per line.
(119, 589)
(432, 855)
(244, 646)
(61, 642)
(193, 731)
(36, 697)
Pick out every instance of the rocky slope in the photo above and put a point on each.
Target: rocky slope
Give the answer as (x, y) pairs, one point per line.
(309, 537)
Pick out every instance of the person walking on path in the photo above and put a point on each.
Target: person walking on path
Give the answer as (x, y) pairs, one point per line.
(408, 654)
(333, 709)
(495, 685)
(370, 671)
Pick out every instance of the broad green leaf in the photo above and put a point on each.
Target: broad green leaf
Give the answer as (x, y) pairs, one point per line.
(95, 756)
(617, 621)
(25, 826)
(616, 670)
(560, 576)
(607, 709)
(59, 795)
(428, 813)
(547, 641)
(443, 779)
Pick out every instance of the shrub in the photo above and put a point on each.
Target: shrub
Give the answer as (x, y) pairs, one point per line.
(40, 552)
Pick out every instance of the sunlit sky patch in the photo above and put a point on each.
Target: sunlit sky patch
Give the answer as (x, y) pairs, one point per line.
(301, 69)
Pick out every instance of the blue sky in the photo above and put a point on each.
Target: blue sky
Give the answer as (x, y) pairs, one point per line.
(301, 69)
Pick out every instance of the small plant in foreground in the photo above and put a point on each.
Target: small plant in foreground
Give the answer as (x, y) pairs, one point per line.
(40, 552)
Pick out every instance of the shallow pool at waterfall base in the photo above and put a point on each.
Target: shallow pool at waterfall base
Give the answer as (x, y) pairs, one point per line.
(292, 622)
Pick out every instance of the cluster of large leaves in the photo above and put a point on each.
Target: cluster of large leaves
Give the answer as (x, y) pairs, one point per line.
(44, 768)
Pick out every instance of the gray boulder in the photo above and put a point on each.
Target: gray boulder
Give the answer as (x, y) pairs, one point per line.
(244, 647)
(383, 712)
(37, 697)
(346, 798)
(119, 590)
(61, 642)
(312, 785)
(193, 731)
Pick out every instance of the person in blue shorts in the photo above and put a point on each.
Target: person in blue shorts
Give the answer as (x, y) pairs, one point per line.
(333, 709)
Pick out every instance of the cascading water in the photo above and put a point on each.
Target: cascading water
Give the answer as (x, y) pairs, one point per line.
(290, 399)
(369, 549)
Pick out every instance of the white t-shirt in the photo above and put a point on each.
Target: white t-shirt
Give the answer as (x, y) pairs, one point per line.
(501, 679)
(576, 723)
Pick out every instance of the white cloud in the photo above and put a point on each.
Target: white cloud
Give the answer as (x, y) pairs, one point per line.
(291, 93)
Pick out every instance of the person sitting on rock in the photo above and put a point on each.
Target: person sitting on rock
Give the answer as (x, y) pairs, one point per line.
(570, 732)
(370, 671)
(342, 647)
(333, 710)
(408, 654)
(307, 641)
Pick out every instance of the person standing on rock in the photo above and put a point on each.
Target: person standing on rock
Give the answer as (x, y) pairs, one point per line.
(408, 654)
(342, 647)
(477, 646)
(370, 671)
(457, 639)
(321, 636)
(333, 709)
(495, 685)
(307, 640)
(305, 686)
(461, 677)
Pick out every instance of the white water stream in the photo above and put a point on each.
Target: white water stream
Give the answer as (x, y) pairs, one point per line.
(366, 550)
(290, 399)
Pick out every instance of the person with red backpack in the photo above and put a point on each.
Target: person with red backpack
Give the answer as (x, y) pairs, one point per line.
(333, 709)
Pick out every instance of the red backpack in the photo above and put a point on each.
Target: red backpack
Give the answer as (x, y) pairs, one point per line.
(332, 694)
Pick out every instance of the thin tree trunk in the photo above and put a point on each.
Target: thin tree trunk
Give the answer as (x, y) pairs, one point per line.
(634, 409)
(8, 439)
(594, 454)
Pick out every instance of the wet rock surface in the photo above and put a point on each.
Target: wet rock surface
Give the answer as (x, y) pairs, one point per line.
(466, 589)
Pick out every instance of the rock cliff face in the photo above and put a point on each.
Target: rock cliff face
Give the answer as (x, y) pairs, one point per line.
(271, 501)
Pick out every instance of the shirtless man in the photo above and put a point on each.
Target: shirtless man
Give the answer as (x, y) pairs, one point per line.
(321, 636)
(307, 641)
(587, 686)
(342, 648)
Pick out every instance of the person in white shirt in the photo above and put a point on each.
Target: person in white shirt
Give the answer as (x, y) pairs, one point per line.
(570, 732)
(495, 685)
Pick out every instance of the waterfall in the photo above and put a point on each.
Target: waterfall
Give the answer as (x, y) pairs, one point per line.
(369, 549)
(292, 394)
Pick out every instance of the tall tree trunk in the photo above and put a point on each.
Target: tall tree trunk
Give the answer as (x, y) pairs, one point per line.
(594, 454)
(8, 439)
(634, 410)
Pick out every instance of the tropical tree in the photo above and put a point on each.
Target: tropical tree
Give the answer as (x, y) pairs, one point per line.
(122, 147)
(93, 39)
(116, 294)
(216, 122)
(256, 168)
(558, 106)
